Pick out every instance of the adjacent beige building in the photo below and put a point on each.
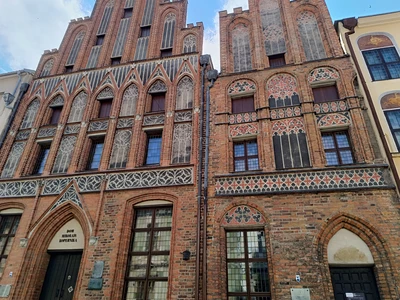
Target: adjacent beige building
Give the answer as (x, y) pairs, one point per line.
(12, 87)
(372, 42)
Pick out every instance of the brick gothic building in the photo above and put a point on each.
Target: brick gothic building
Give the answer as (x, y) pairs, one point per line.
(98, 196)
(300, 204)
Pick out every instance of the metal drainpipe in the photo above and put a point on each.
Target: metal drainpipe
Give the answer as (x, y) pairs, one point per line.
(205, 207)
(199, 183)
(373, 110)
(22, 90)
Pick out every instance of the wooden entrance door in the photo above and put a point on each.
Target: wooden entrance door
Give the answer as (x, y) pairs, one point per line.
(354, 284)
(61, 275)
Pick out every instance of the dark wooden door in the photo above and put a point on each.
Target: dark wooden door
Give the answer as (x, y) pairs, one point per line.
(61, 275)
(357, 283)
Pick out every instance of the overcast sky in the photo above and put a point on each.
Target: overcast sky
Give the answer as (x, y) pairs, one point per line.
(40, 27)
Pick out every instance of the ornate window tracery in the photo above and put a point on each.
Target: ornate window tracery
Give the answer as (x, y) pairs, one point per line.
(310, 36)
(185, 93)
(169, 30)
(120, 151)
(78, 108)
(129, 101)
(13, 159)
(64, 154)
(30, 114)
(182, 143)
(47, 67)
(189, 43)
(241, 48)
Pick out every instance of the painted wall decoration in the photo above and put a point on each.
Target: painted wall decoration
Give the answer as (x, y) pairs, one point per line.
(287, 112)
(323, 74)
(242, 86)
(243, 129)
(282, 91)
(335, 119)
(391, 101)
(243, 118)
(288, 126)
(243, 214)
(271, 21)
(329, 107)
(373, 41)
(332, 180)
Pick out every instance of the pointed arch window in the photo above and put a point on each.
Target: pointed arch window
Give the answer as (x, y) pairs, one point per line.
(105, 98)
(47, 68)
(185, 93)
(310, 36)
(158, 91)
(182, 143)
(78, 108)
(129, 101)
(64, 154)
(56, 108)
(189, 43)
(120, 151)
(13, 160)
(30, 114)
(241, 48)
(169, 30)
(75, 49)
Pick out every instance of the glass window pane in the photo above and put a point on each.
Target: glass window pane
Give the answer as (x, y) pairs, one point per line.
(327, 141)
(161, 240)
(372, 57)
(240, 165)
(141, 242)
(237, 277)
(394, 118)
(2, 265)
(239, 149)
(8, 246)
(159, 266)
(252, 148)
(138, 266)
(342, 140)
(378, 72)
(2, 243)
(346, 156)
(331, 159)
(259, 277)
(394, 70)
(6, 224)
(163, 217)
(143, 218)
(253, 164)
(389, 54)
(397, 137)
(153, 150)
(157, 290)
(136, 290)
(235, 244)
(256, 244)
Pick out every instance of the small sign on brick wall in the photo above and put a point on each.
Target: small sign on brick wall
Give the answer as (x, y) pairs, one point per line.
(300, 294)
(355, 296)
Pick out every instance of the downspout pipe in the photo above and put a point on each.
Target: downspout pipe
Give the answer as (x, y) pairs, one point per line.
(22, 90)
(212, 76)
(350, 24)
(204, 61)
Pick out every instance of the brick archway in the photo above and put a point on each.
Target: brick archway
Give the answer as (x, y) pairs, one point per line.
(385, 273)
(34, 266)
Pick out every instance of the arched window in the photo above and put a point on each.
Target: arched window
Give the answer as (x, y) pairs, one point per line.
(189, 43)
(30, 114)
(129, 100)
(169, 30)
(182, 144)
(75, 49)
(105, 97)
(381, 56)
(310, 36)
(184, 99)
(13, 159)
(9, 221)
(282, 91)
(391, 107)
(120, 151)
(64, 154)
(78, 108)
(241, 48)
(158, 91)
(56, 107)
(47, 68)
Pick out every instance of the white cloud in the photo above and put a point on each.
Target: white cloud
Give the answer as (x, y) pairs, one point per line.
(28, 27)
(211, 35)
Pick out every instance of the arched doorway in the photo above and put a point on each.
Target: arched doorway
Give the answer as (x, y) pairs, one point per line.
(65, 250)
(352, 267)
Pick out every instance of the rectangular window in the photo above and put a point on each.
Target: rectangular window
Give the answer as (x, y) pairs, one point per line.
(115, 61)
(8, 228)
(148, 265)
(157, 102)
(245, 155)
(55, 115)
(277, 60)
(247, 267)
(166, 52)
(69, 69)
(100, 40)
(153, 153)
(383, 63)
(42, 158)
(145, 31)
(105, 108)
(337, 148)
(393, 117)
(96, 149)
(241, 105)
(325, 94)
(128, 12)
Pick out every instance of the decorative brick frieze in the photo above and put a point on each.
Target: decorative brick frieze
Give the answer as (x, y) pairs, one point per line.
(336, 119)
(287, 112)
(243, 118)
(47, 132)
(98, 125)
(306, 181)
(243, 129)
(330, 107)
(153, 120)
(18, 189)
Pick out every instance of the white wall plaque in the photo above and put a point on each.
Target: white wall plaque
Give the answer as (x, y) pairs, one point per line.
(300, 294)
